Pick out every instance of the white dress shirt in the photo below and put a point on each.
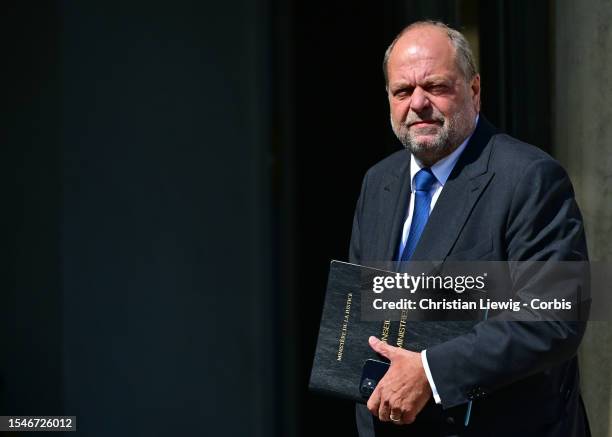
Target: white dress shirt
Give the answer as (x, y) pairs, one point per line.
(441, 170)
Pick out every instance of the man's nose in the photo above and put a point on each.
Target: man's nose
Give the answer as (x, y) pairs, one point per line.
(418, 100)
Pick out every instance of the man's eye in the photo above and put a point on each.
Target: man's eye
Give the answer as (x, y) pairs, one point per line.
(404, 92)
(437, 89)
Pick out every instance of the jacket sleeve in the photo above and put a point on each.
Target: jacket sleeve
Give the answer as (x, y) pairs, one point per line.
(355, 255)
(544, 224)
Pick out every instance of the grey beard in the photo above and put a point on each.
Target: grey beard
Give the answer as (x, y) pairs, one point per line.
(439, 146)
(449, 138)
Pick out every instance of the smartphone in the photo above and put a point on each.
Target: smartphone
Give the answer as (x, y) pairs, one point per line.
(373, 371)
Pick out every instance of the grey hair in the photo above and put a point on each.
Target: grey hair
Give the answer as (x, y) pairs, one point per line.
(463, 53)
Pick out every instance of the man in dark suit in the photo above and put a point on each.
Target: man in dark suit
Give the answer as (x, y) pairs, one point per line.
(461, 191)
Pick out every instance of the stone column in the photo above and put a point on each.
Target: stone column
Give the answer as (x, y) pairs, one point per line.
(583, 143)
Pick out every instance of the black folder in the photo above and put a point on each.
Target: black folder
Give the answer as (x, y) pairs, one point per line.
(342, 345)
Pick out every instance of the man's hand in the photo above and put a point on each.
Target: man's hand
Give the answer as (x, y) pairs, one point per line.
(404, 390)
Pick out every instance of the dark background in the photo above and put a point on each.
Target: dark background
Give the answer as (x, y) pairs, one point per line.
(176, 177)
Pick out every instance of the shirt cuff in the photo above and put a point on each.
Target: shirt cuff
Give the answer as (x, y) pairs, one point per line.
(432, 384)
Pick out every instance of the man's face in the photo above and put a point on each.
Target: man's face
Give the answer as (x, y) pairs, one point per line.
(433, 107)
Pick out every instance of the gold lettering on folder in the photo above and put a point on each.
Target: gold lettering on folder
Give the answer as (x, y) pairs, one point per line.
(402, 329)
(345, 322)
(385, 330)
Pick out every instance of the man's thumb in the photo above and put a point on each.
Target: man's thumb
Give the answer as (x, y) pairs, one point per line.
(381, 347)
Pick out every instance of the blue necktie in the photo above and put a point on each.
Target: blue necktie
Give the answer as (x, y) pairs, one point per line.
(423, 181)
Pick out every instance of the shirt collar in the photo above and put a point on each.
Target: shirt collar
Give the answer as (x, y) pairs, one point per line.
(443, 168)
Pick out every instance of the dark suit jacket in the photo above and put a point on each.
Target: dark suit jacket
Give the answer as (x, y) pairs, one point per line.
(504, 200)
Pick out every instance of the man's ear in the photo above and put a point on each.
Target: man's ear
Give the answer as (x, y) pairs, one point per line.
(475, 87)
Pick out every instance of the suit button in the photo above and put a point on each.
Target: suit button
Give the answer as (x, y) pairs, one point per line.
(450, 420)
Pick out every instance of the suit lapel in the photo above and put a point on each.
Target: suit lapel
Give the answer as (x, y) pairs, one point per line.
(464, 186)
(396, 197)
